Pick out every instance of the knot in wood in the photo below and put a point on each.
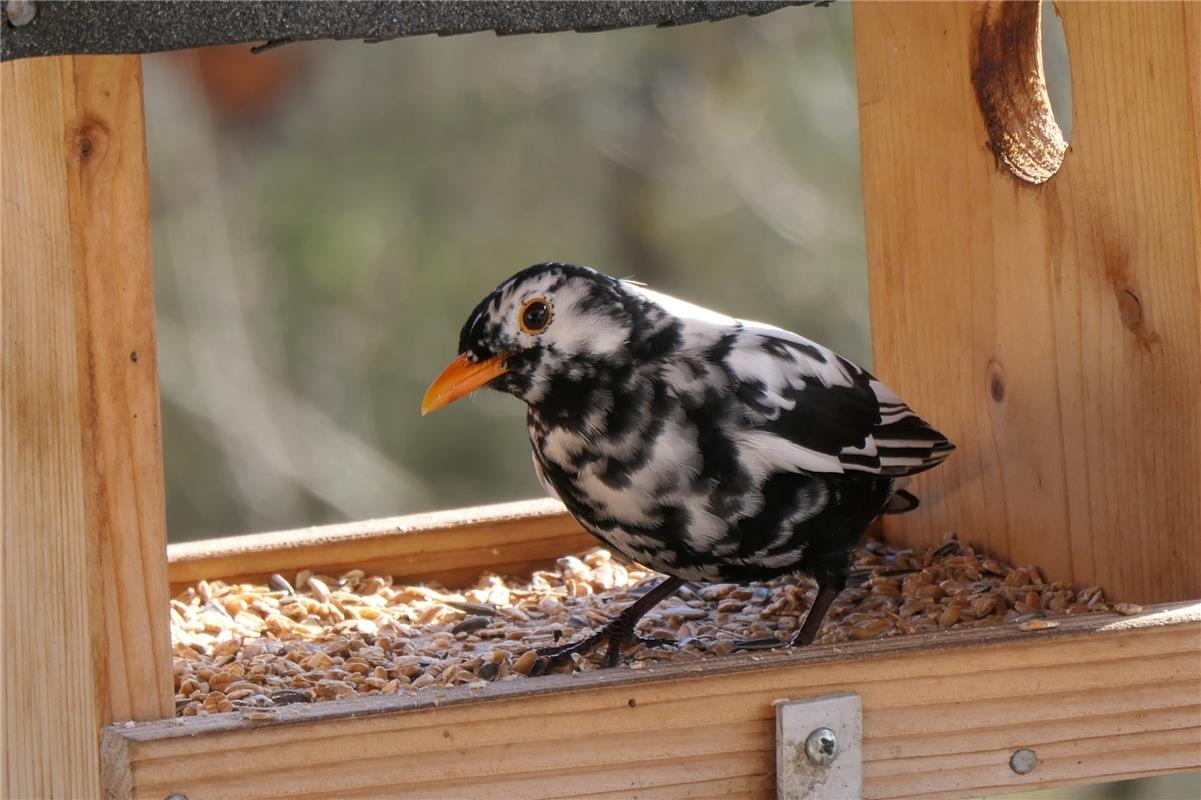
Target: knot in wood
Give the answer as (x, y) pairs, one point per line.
(1130, 308)
(90, 140)
(996, 380)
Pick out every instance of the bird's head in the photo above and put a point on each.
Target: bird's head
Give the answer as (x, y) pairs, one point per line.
(546, 324)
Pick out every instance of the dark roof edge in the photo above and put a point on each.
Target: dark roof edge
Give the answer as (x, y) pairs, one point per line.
(68, 27)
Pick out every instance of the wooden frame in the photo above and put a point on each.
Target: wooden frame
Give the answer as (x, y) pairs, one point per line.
(81, 492)
(941, 719)
(1010, 327)
(1067, 312)
(453, 547)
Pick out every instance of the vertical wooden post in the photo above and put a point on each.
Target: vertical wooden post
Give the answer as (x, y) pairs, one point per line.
(1052, 330)
(83, 544)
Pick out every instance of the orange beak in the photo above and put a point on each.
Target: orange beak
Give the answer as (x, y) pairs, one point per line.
(460, 379)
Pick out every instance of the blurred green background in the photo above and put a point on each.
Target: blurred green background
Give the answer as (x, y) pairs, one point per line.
(325, 216)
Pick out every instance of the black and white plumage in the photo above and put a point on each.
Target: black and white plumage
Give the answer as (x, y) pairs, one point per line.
(704, 447)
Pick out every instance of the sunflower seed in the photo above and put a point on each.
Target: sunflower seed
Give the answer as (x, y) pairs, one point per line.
(479, 609)
(1038, 625)
(471, 624)
(765, 643)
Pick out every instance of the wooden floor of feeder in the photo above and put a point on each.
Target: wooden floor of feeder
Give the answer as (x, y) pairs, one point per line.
(1100, 696)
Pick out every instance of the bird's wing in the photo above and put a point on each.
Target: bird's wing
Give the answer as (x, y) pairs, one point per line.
(809, 409)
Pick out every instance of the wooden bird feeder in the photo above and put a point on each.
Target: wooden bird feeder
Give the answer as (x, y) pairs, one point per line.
(1042, 303)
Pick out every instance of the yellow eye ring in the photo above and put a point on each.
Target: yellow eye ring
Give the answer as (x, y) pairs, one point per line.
(535, 315)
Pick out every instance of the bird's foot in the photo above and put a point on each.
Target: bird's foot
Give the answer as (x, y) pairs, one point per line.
(616, 633)
(826, 592)
(615, 637)
(547, 658)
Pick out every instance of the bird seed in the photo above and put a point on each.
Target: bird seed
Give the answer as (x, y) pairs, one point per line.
(250, 648)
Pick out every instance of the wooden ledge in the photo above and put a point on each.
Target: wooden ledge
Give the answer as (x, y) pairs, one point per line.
(941, 715)
(452, 547)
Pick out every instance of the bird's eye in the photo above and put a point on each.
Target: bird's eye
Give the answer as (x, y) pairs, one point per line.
(535, 315)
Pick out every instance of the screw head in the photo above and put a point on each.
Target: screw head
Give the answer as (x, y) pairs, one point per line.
(1023, 761)
(821, 747)
(20, 12)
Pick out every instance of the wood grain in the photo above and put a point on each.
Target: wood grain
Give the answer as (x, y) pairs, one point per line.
(942, 715)
(452, 547)
(1051, 331)
(81, 496)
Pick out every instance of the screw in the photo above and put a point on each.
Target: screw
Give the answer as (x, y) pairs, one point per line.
(821, 747)
(1023, 761)
(20, 12)
(176, 796)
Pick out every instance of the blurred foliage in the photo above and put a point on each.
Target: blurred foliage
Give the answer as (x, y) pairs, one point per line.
(326, 215)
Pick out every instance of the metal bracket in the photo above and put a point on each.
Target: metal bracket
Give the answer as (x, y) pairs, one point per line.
(819, 753)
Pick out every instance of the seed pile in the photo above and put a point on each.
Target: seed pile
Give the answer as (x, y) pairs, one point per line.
(254, 647)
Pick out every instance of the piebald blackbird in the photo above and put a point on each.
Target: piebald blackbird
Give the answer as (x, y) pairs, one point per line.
(704, 447)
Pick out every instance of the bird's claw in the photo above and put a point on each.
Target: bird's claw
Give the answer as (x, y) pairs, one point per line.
(547, 658)
(615, 642)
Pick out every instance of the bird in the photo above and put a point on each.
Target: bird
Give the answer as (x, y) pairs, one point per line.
(707, 448)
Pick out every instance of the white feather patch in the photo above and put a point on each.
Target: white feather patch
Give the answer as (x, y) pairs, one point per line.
(546, 485)
(765, 452)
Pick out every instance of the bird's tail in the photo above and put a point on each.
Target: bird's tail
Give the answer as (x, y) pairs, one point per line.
(902, 501)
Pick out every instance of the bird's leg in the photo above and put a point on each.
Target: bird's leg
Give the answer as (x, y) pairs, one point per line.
(827, 590)
(616, 633)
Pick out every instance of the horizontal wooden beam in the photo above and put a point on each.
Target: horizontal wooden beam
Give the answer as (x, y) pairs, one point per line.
(1096, 697)
(452, 547)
